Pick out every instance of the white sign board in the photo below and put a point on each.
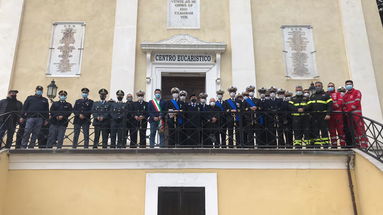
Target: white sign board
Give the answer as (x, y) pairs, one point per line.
(183, 58)
(299, 52)
(184, 14)
(66, 49)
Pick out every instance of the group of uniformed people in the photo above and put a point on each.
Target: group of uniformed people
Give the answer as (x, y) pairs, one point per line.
(275, 119)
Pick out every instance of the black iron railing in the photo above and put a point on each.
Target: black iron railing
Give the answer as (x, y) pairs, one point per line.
(203, 129)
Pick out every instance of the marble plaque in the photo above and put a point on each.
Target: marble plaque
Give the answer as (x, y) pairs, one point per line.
(184, 14)
(299, 52)
(66, 49)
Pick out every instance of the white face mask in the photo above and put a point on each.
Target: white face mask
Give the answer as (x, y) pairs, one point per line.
(306, 94)
(232, 94)
(281, 96)
(342, 94)
(175, 95)
(219, 96)
(251, 94)
(140, 98)
(183, 98)
(272, 95)
(263, 96)
(212, 104)
(203, 101)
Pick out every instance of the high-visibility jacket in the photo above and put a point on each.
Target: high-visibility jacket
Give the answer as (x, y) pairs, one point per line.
(352, 101)
(320, 102)
(337, 101)
(295, 103)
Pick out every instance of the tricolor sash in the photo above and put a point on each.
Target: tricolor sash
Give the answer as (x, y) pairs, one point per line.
(156, 105)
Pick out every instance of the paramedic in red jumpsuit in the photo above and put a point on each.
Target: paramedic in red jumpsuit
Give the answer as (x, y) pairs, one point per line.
(336, 127)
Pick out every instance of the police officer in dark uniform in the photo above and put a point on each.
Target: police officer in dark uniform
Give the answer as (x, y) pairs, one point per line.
(82, 113)
(59, 118)
(204, 119)
(281, 118)
(130, 121)
(260, 128)
(118, 121)
(300, 118)
(250, 106)
(232, 107)
(320, 106)
(141, 116)
(288, 123)
(219, 104)
(101, 119)
(272, 107)
(192, 122)
(175, 119)
(211, 118)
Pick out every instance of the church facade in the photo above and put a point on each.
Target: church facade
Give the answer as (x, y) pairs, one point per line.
(196, 45)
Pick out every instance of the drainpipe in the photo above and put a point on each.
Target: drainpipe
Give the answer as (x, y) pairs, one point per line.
(350, 183)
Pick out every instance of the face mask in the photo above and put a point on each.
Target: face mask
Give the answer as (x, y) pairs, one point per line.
(348, 87)
(39, 92)
(272, 95)
(129, 99)
(232, 94)
(119, 98)
(318, 89)
(342, 94)
(219, 97)
(306, 94)
(103, 97)
(183, 98)
(194, 100)
(299, 93)
(251, 94)
(175, 95)
(158, 96)
(331, 89)
(281, 96)
(140, 98)
(212, 104)
(267, 98)
(84, 95)
(263, 96)
(246, 97)
(203, 100)
(62, 98)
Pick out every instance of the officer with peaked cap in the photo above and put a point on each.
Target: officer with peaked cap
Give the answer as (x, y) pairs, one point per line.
(232, 108)
(59, 118)
(250, 107)
(183, 95)
(261, 116)
(130, 121)
(221, 118)
(141, 117)
(175, 118)
(118, 121)
(82, 113)
(204, 119)
(101, 119)
(193, 122)
(272, 107)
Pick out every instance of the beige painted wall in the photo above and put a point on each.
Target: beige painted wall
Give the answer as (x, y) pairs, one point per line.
(375, 37)
(152, 27)
(3, 178)
(123, 192)
(368, 186)
(323, 15)
(36, 30)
